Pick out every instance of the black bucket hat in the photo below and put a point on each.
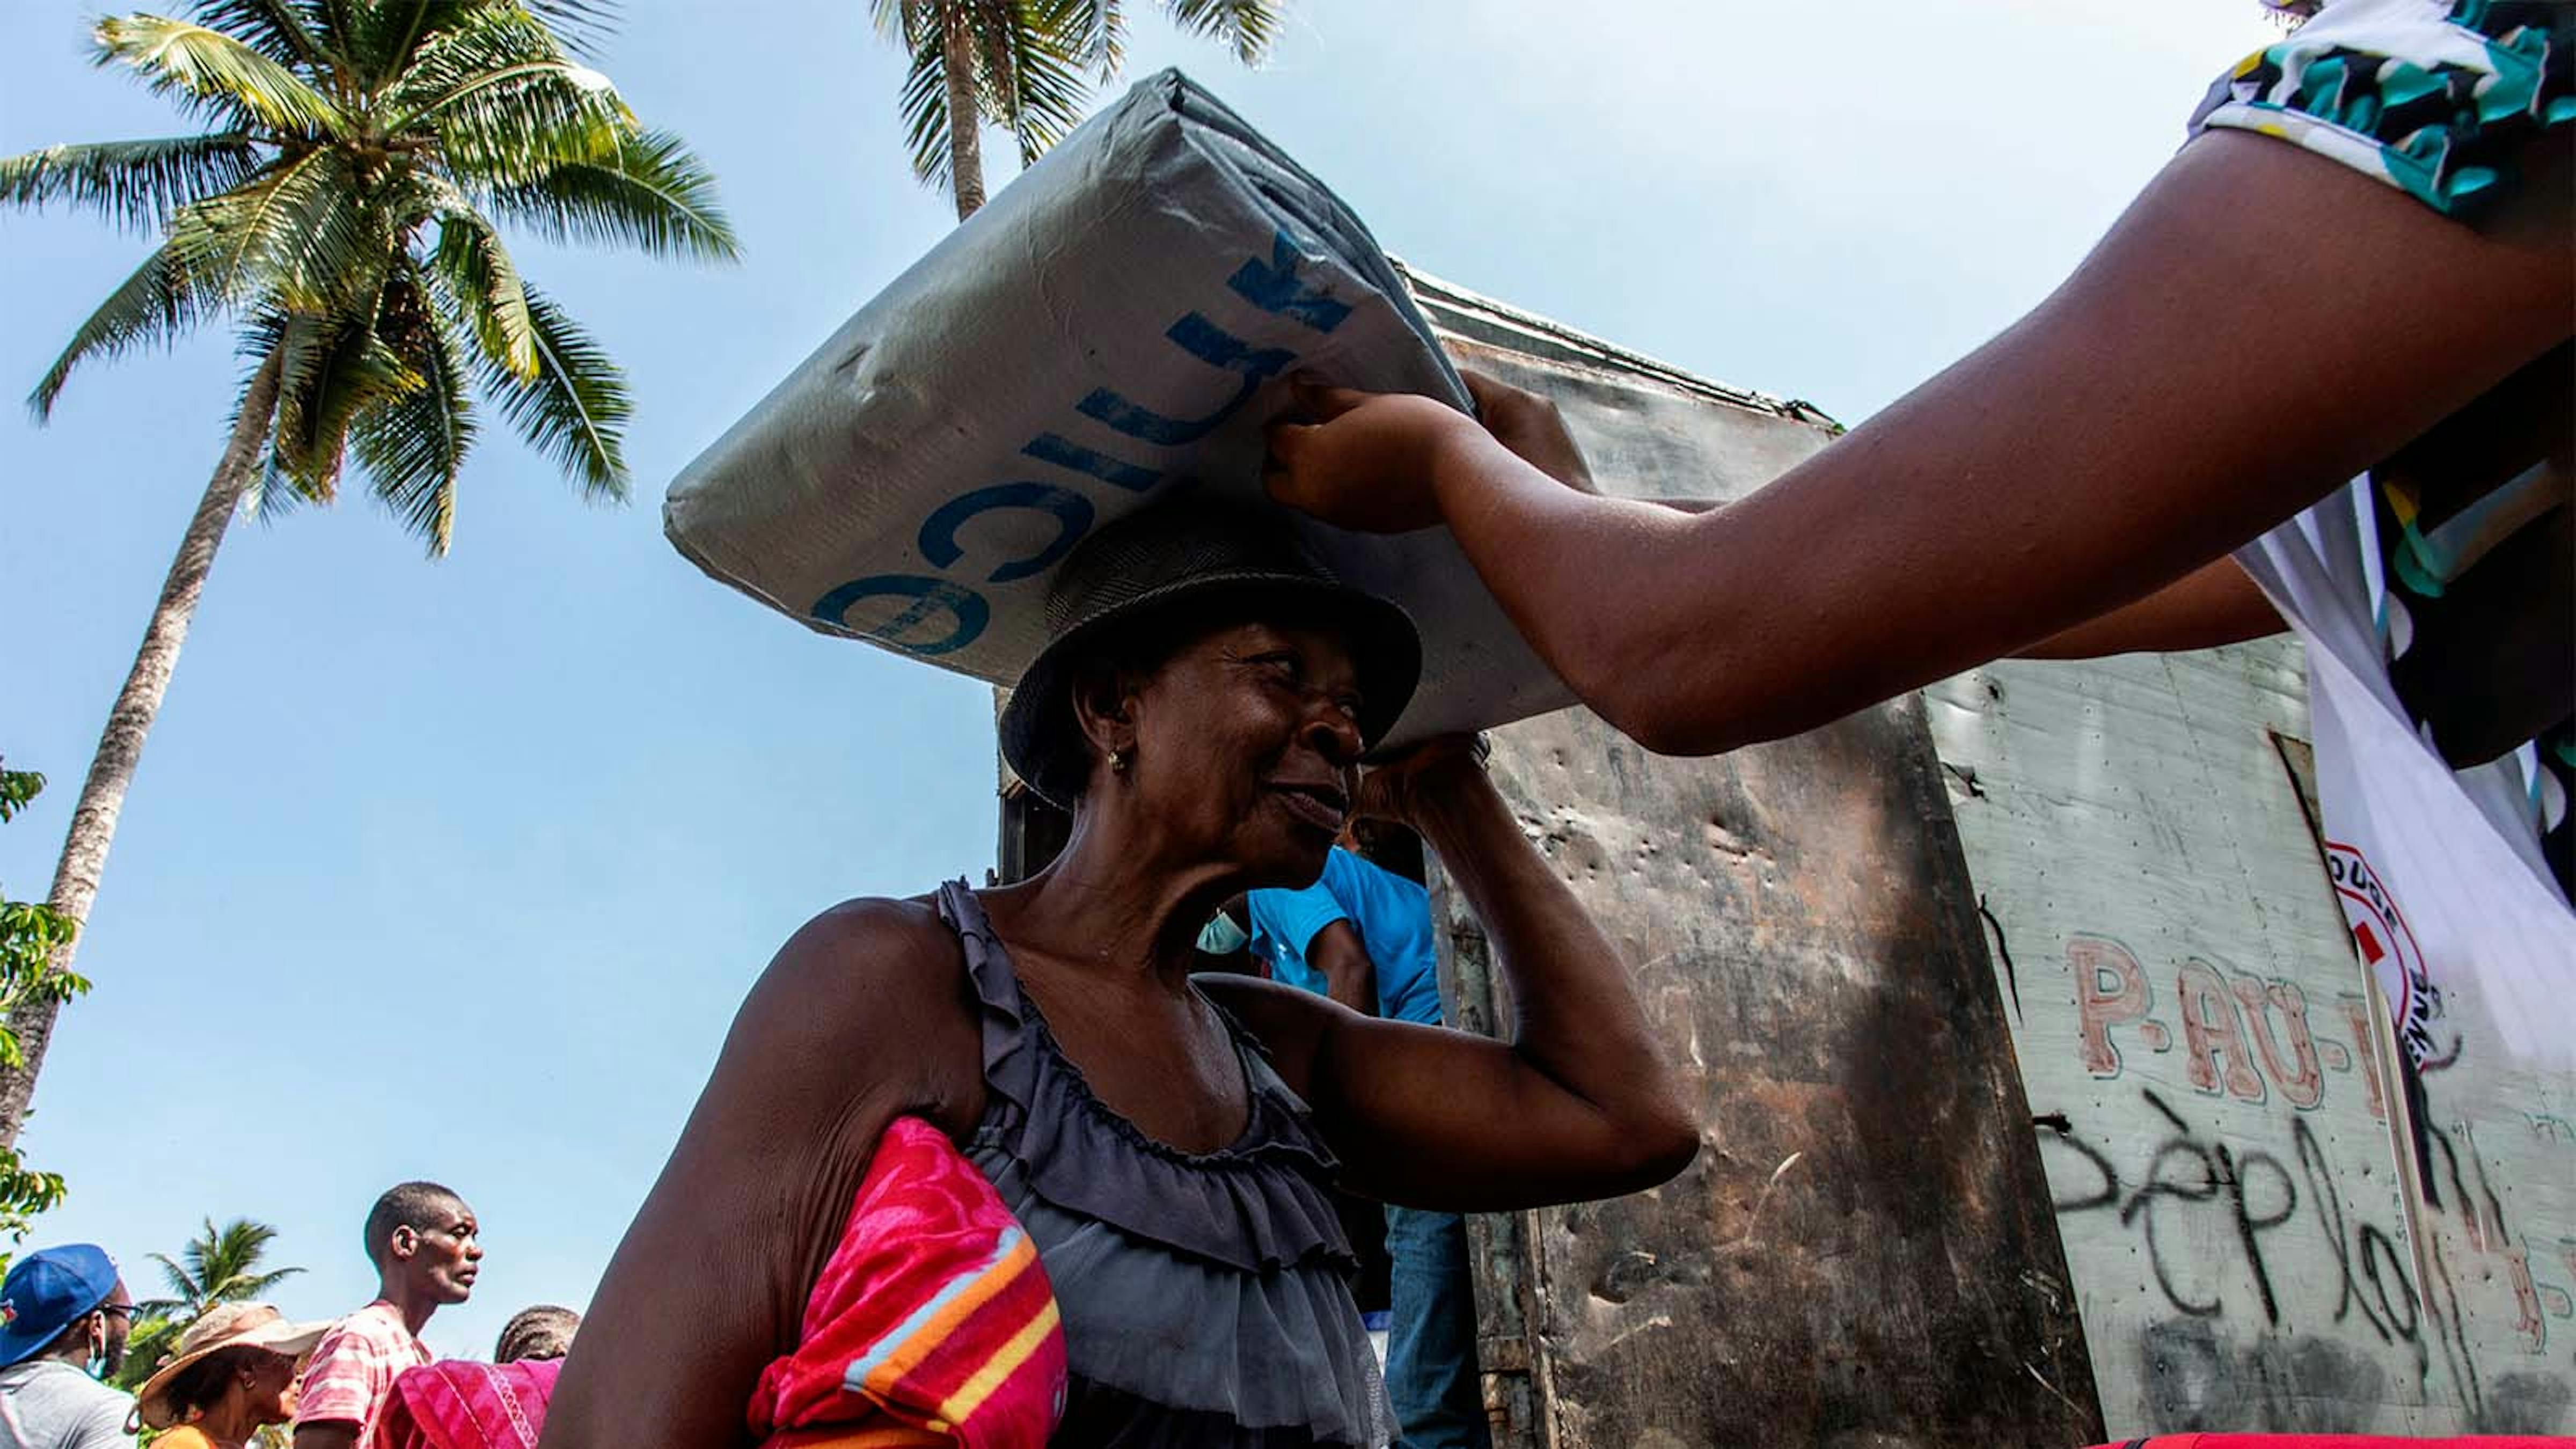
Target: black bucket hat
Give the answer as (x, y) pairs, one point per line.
(1196, 558)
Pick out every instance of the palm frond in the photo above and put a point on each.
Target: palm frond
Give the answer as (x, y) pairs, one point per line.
(924, 106)
(385, 36)
(1033, 64)
(270, 494)
(259, 1285)
(582, 25)
(227, 1258)
(303, 232)
(134, 184)
(280, 485)
(413, 449)
(205, 66)
(1095, 32)
(479, 274)
(156, 303)
(504, 101)
(185, 1292)
(651, 193)
(334, 371)
(901, 20)
(575, 409)
(381, 37)
(1247, 27)
(274, 28)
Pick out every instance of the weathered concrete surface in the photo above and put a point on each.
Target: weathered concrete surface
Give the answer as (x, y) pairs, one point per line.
(2230, 1155)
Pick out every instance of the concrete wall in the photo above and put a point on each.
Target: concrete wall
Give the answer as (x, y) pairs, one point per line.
(2242, 1193)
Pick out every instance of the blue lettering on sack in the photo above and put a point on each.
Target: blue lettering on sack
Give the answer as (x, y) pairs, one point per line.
(1271, 284)
(1210, 344)
(1072, 514)
(1066, 453)
(967, 607)
(1274, 287)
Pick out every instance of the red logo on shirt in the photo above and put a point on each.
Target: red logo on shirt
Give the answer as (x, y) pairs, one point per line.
(2380, 933)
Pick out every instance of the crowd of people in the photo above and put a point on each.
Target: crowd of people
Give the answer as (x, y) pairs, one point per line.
(1013, 1157)
(365, 1381)
(2314, 378)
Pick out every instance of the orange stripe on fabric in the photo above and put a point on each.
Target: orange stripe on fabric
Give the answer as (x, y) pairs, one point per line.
(1006, 1362)
(901, 1436)
(945, 1367)
(932, 1332)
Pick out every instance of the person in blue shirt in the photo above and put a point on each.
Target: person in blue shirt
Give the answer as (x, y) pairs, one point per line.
(1362, 936)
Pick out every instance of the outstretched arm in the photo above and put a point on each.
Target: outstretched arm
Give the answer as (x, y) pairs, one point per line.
(1578, 1104)
(2214, 604)
(2259, 326)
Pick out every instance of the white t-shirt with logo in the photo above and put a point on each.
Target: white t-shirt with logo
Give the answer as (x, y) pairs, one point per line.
(2437, 870)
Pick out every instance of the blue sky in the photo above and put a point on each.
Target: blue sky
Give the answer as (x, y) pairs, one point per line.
(458, 869)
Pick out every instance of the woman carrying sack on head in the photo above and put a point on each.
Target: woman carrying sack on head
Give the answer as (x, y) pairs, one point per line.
(1166, 1144)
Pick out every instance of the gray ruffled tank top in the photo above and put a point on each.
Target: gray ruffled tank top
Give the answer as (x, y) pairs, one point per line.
(1206, 1296)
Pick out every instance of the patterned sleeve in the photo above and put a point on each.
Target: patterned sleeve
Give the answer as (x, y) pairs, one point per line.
(2434, 97)
(343, 1381)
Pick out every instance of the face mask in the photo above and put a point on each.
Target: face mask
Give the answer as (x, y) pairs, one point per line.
(96, 1365)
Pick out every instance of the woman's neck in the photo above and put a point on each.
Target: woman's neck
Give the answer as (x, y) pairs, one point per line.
(1113, 901)
(230, 1423)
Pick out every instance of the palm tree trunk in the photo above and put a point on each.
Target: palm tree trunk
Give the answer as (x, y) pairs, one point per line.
(965, 117)
(111, 770)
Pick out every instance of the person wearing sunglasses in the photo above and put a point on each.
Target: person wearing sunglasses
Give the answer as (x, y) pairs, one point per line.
(64, 1317)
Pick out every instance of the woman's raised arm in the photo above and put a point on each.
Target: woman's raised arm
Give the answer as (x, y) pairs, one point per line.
(1577, 1104)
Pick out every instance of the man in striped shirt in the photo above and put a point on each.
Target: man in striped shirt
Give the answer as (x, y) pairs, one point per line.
(422, 1239)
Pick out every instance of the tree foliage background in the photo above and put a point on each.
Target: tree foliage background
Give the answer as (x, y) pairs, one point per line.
(29, 934)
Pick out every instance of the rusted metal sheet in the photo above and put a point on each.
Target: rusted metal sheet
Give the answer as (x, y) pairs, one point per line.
(1863, 1253)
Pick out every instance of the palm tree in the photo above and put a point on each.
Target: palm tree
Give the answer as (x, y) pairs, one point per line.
(220, 1266)
(338, 207)
(1024, 66)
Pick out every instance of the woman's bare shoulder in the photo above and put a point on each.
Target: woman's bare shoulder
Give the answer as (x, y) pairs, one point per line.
(886, 943)
(872, 994)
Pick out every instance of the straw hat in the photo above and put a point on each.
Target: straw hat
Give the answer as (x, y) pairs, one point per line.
(226, 1325)
(1202, 558)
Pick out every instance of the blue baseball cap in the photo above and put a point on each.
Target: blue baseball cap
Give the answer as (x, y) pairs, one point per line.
(48, 1291)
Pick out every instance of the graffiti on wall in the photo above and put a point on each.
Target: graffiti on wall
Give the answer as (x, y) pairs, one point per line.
(2233, 1023)
(2223, 1218)
(2272, 1224)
